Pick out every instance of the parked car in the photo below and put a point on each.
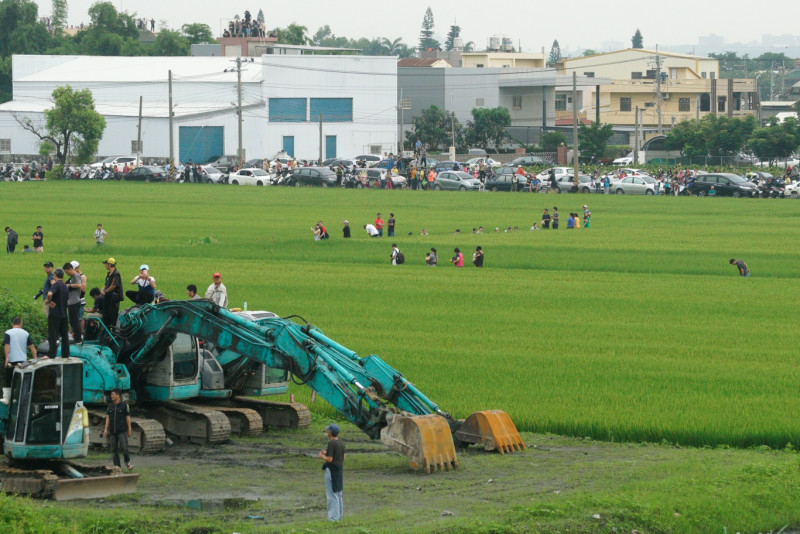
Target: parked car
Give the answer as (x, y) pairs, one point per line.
(477, 152)
(528, 161)
(488, 162)
(250, 177)
(456, 180)
(447, 165)
(376, 175)
(119, 161)
(792, 190)
(370, 159)
(211, 175)
(725, 184)
(634, 185)
(504, 182)
(255, 163)
(566, 184)
(544, 176)
(223, 163)
(313, 176)
(627, 160)
(145, 173)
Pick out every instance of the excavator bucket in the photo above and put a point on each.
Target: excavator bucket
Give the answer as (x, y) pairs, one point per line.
(425, 439)
(493, 429)
(94, 487)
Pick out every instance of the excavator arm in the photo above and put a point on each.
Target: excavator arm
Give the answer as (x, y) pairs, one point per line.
(368, 392)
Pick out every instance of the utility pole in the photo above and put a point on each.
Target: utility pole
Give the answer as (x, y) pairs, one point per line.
(636, 138)
(597, 104)
(139, 136)
(400, 143)
(240, 151)
(658, 90)
(575, 123)
(171, 128)
(320, 139)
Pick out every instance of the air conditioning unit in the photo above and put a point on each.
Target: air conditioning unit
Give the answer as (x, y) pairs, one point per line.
(664, 96)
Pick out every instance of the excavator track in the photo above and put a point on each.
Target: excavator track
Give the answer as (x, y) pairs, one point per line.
(147, 435)
(277, 414)
(244, 421)
(52, 483)
(198, 425)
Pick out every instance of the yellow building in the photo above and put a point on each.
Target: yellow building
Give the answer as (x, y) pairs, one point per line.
(689, 85)
(503, 60)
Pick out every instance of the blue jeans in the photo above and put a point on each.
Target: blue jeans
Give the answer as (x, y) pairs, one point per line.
(335, 503)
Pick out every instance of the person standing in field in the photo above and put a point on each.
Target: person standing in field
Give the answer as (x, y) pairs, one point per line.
(346, 230)
(333, 456)
(379, 225)
(12, 238)
(546, 220)
(390, 226)
(15, 341)
(118, 428)
(477, 257)
(38, 238)
(556, 218)
(217, 292)
(431, 258)
(458, 259)
(742, 266)
(100, 235)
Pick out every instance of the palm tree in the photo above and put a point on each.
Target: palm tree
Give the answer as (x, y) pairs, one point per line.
(392, 47)
(469, 47)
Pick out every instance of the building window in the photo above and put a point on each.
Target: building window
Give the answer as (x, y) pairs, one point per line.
(561, 102)
(625, 103)
(517, 102)
(703, 75)
(589, 74)
(479, 65)
(479, 102)
(705, 102)
(673, 74)
(650, 74)
(721, 103)
(636, 75)
(375, 149)
(5, 146)
(136, 146)
(287, 110)
(712, 75)
(684, 104)
(332, 109)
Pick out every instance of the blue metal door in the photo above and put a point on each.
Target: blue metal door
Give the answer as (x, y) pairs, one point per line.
(330, 146)
(200, 143)
(288, 145)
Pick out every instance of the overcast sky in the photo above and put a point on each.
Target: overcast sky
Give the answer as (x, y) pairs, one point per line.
(534, 25)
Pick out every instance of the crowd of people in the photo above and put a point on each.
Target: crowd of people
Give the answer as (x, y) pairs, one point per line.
(245, 26)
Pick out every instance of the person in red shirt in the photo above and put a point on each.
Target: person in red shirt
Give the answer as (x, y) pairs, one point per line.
(379, 225)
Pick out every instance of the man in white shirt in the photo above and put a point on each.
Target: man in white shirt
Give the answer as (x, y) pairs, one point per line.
(15, 342)
(395, 252)
(217, 292)
(100, 235)
(371, 230)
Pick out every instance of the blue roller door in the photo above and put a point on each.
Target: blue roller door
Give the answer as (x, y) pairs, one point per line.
(330, 146)
(200, 143)
(288, 145)
(332, 109)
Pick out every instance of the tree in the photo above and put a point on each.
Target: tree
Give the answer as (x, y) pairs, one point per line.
(687, 138)
(293, 34)
(434, 127)
(592, 139)
(455, 32)
(637, 41)
(59, 18)
(260, 16)
(392, 47)
(323, 33)
(170, 43)
(552, 140)
(589, 52)
(488, 127)
(426, 40)
(72, 126)
(555, 54)
(776, 140)
(726, 136)
(21, 32)
(197, 33)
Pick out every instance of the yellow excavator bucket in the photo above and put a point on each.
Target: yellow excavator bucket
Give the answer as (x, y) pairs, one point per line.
(493, 429)
(425, 439)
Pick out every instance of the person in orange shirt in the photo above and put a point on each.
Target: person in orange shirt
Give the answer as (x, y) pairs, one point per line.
(431, 178)
(379, 225)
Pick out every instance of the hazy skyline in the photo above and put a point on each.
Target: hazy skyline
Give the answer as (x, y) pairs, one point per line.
(532, 26)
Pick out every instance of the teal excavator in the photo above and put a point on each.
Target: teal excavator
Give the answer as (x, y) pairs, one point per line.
(190, 367)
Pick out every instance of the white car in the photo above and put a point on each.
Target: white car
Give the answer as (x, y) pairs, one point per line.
(635, 185)
(250, 177)
(369, 159)
(544, 176)
(792, 190)
(793, 162)
(627, 160)
(211, 175)
(489, 162)
(119, 161)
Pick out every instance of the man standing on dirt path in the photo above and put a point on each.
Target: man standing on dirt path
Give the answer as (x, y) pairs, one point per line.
(334, 472)
(742, 266)
(118, 428)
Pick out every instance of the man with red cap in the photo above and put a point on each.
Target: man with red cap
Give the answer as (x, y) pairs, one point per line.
(217, 292)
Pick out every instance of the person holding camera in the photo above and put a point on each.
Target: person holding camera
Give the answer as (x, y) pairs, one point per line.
(147, 286)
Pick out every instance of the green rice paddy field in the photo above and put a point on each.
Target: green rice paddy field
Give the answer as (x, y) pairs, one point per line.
(636, 329)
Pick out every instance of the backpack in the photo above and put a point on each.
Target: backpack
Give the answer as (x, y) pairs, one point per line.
(400, 258)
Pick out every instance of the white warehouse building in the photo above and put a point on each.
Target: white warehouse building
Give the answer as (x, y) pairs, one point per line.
(282, 100)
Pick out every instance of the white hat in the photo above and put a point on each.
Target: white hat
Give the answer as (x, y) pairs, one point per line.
(144, 266)
(75, 264)
(346, 222)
